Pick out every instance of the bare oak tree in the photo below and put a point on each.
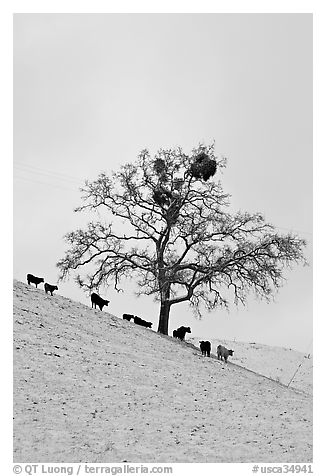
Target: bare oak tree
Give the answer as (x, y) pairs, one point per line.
(170, 229)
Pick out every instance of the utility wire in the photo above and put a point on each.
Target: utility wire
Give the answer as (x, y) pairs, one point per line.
(42, 169)
(45, 183)
(37, 170)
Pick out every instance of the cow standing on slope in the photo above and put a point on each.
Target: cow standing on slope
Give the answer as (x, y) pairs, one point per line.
(223, 353)
(34, 279)
(127, 317)
(205, 347)
(181, 332)
(96, 300)
(49, 288)
(141, 322)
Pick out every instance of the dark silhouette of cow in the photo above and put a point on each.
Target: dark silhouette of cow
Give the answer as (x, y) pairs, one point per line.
(141, 322)
(48, 288)
(127, 317)
(223, 352)
(181, 332)
(98, 301)
(34, 279)
(205, 347)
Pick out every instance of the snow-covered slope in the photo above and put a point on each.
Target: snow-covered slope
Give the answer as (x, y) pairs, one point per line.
(90, 387)
(278, 363)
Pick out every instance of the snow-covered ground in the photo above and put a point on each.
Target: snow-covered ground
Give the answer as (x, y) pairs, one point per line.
(91, 387)
(286, 366)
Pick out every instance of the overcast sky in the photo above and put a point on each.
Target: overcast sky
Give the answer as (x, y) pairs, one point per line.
(92, 90)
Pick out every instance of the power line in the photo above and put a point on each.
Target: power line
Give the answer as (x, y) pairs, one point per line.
(45, 183)
(51, 173)
(41, 176)
(30, 166)
(66, 181)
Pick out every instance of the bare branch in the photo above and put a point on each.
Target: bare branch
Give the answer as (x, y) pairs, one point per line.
(179, 243)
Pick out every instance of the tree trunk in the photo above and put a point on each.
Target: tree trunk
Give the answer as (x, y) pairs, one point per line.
(163, 325)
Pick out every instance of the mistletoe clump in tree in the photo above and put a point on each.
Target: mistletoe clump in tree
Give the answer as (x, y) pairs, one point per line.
(165, 222)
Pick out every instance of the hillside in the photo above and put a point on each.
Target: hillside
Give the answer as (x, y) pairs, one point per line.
(90, 387)
(277, 363)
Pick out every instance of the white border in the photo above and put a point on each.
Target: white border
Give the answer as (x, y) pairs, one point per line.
(168, 6)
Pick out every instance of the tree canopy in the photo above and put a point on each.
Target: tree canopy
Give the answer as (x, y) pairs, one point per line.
(164, 220)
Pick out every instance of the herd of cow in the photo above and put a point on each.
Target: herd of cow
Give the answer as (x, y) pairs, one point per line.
(96, 300)
(47, 287)
(137, 320)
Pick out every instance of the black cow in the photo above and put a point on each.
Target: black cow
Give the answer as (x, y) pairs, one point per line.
(49, 288)
(205, 347)
(34, 279)
(127, 317)
(223, 352)
(98, 301)
(181, 332)
(141, 322)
